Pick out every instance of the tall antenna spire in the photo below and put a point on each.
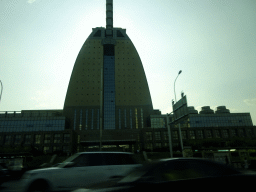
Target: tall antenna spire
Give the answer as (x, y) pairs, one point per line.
(109, 19)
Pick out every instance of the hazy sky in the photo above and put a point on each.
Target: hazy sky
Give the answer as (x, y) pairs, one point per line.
(213, 42)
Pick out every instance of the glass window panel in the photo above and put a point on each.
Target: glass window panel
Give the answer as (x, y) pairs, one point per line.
(184, 134)
(175, 134)
(192, 134)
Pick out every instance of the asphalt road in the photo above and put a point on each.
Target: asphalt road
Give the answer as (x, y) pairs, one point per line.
(11, 186)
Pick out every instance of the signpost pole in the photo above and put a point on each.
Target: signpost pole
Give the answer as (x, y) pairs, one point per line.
(169, 135)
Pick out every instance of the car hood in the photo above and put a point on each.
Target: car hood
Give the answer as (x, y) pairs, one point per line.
(44, 170)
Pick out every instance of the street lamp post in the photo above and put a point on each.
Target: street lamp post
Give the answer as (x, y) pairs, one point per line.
(181, 142)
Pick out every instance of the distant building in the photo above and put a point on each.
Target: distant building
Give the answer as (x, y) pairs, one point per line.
(219, 118)
(45, 130)
(108, 101)
(108, 89)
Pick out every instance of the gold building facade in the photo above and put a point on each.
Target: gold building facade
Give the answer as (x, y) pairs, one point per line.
(108, 82)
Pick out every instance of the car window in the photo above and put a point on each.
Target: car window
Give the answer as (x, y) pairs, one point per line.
(118, 159)
(178, 170)
(208, 168)
(186, 169)
(88, 160)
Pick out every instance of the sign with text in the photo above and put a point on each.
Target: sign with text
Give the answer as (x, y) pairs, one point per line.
(180, 108)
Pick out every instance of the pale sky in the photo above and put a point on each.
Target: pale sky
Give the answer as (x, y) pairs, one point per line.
(213, 42)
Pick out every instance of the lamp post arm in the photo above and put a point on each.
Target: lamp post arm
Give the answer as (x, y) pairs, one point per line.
(174, 85)
(1, 90)
(174, 89)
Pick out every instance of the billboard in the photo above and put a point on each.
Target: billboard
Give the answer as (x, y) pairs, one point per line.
(180, 108)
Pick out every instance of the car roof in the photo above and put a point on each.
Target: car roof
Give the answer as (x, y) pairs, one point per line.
(182, 158)
(114, 152)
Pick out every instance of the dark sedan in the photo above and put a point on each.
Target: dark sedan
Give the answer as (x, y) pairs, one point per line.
(182, 173)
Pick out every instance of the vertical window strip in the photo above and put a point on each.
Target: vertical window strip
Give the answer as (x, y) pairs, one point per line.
(75, 120)
(98, 119)
(92, 118)
(86, 119)
(131, 118)
(125, 123)
(142, 122)
(81, 114)
(78, 139)
(119, 112)
(136, 118)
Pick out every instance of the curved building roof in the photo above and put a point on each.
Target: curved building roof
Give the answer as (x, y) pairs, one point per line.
(113, 66)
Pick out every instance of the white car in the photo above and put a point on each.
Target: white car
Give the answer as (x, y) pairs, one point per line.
(79, 171)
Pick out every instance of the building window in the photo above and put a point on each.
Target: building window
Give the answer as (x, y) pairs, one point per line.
(225, 133)
(175, 145)
(158, 145)
(149, 146)
(192, 134)
(56, 148)
(148, 136)
(131, 118)
(175, 135)
(81, 115)
(78, 139)
(241, 132)
(75, 120)
(119, 115)
(17, 139)
(37, 139)
(65, 148)
(46, 149)
(7, 140)
(92, 118)
(157, 135)
(234, 132)
(217, 133)
(98, 119)
(86, 119)
(208, 133)
(141, 111)
(47, 138)
(184, 134)
(200, 134)
(109, 87)
(165, 135)
(56, 138)
(250, 133)
(136, 118)
(27, 139)
(125, 123)
(157, 122)
(66, 138)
